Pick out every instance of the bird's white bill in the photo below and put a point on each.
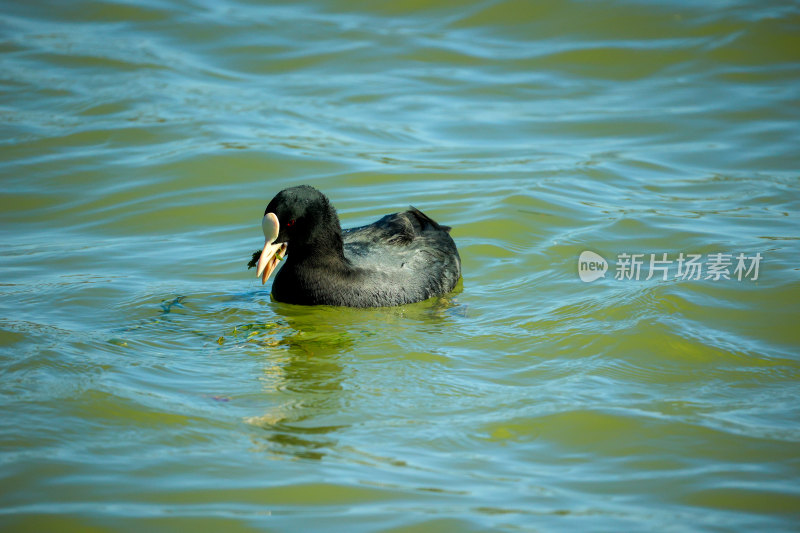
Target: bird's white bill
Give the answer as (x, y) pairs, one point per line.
(271, 255)
(273, 252)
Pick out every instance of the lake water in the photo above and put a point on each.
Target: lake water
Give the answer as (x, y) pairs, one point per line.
(150, 383)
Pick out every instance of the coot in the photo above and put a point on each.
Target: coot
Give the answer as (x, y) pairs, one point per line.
(402, 258)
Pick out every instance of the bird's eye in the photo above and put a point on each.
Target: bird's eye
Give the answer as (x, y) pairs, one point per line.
(290, 223)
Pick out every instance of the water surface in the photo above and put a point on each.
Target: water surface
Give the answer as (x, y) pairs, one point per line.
(148, 380)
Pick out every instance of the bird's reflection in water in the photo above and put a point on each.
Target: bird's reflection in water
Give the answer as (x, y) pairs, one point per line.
(305, 375)
(308, 356)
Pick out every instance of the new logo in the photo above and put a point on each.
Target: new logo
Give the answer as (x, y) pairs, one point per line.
(591, 266)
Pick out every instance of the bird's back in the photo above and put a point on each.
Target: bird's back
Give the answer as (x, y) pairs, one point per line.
(406, 257)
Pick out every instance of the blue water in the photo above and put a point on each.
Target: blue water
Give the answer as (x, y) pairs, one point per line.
(150, 382)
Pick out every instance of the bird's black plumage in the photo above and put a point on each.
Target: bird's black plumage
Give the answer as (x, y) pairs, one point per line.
(402, 258)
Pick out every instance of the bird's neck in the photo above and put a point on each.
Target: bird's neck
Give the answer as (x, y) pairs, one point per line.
(324, 247)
